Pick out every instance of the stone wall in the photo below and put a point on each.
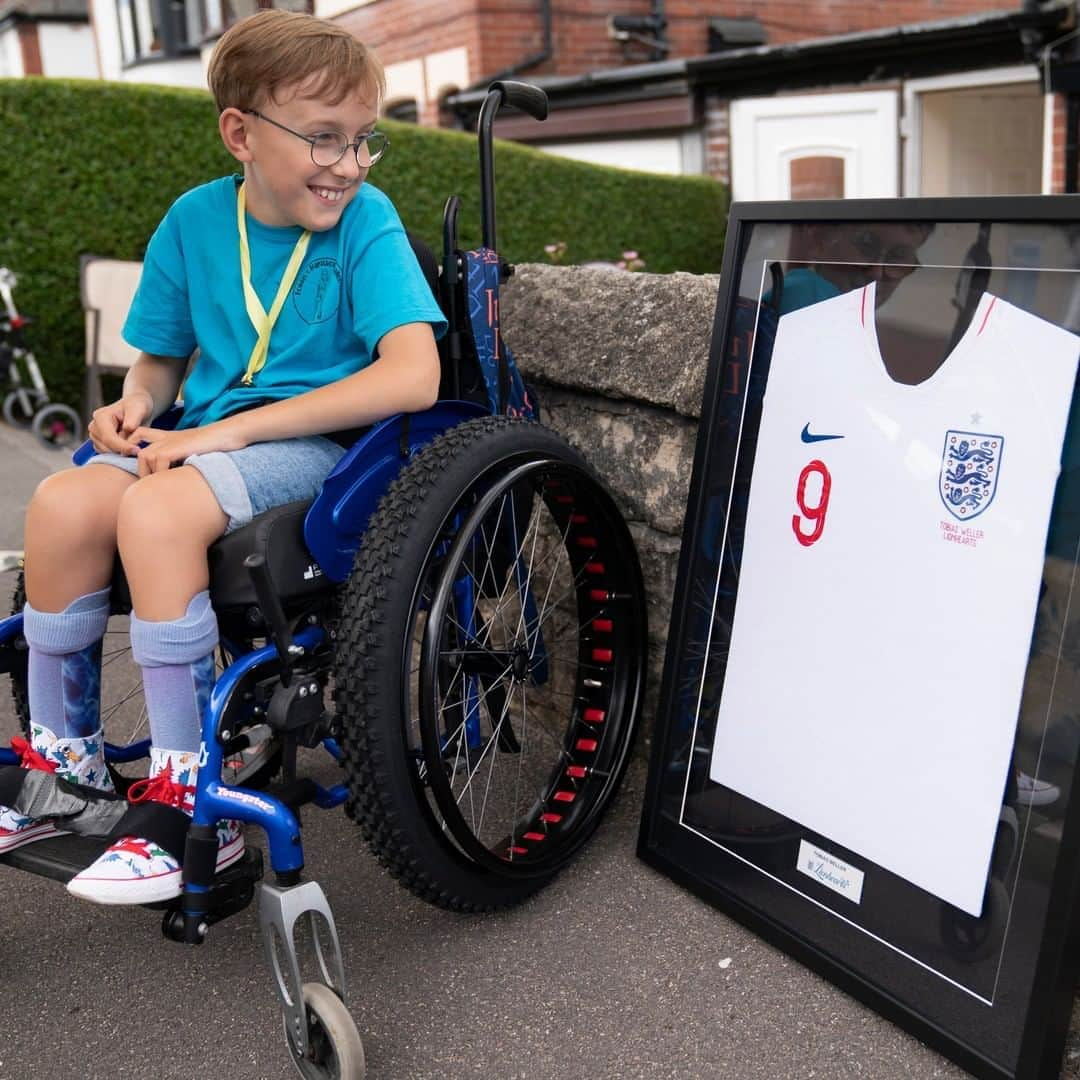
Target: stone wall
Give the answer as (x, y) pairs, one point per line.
(619, 363)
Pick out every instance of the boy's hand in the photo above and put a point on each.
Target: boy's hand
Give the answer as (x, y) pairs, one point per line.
(112, 426)
(164, 449)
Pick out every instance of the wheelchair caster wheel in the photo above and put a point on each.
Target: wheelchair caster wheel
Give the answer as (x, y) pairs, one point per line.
(334, 1046)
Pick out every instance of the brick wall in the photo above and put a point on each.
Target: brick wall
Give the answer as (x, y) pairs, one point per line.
(406, 29)
(30, 46)
(1057, 127)
(718, 138)
(501, 33)
(797, 20)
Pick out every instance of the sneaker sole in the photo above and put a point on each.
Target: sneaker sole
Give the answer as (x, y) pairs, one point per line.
(154, 890)
(1044, 798)
(11, 841)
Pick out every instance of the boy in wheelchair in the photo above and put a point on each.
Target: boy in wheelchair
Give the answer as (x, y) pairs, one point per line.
(299, 288)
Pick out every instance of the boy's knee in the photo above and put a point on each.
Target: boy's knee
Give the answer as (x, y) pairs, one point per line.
(146, 508)
(166, 506)
(69, 500)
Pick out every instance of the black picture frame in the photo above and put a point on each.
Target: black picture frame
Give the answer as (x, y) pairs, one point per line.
(991, 991)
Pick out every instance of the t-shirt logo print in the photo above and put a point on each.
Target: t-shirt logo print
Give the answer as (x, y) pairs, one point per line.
(970, 466)
(317, 292)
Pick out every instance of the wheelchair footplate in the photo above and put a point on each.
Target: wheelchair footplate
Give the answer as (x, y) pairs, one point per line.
(60, 858)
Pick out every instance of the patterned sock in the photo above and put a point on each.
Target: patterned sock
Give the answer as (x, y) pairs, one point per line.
(64, 678)
(177, 661)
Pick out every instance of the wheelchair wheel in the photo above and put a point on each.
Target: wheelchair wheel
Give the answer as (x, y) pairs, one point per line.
(335, 1051)
(499, 578)
(124, 717)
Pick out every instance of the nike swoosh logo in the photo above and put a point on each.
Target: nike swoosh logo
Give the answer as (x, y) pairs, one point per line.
(807, 437)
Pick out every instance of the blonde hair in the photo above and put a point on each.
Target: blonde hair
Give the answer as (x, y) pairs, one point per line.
(273, 49)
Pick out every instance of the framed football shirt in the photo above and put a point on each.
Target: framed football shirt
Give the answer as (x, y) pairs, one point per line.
(869, 723)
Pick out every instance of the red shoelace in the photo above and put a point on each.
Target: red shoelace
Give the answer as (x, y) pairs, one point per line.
(161, 788)
(29, 758)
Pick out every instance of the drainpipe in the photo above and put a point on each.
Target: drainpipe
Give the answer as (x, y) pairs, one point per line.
(1072, 149)
(1041, 53)
(661, 48)
(530, 61)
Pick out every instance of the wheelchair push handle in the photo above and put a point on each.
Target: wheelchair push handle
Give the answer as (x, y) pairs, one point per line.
(524, 96)
(529, 99)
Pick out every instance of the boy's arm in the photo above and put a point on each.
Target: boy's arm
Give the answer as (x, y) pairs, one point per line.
(150, 387)
(405, 378)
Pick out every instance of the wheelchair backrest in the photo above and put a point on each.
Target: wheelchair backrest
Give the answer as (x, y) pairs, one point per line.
(476, 363)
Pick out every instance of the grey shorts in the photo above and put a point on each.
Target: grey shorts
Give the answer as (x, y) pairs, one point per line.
(257, 478)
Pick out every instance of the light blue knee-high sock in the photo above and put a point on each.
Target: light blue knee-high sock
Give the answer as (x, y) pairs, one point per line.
(177, 661)
(64, 678)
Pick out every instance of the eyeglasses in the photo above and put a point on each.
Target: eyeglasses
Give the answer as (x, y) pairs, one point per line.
(328, 147)
(873, 249)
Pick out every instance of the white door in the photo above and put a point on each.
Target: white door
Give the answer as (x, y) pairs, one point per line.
(815, 146)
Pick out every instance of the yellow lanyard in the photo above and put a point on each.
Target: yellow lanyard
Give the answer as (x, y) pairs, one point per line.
(262, 322)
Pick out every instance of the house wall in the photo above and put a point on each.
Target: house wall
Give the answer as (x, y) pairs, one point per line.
(411, 35)
(496, 39)
(429, 47)
(11, 65)
(186, 71)
(67, 51)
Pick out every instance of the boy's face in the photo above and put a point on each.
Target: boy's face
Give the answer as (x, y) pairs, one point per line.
(855, 254)
(283, 184)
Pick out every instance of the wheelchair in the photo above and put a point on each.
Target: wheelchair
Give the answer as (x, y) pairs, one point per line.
(458, 619)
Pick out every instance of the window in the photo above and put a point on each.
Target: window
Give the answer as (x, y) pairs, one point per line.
(154, 29)
(404, 110)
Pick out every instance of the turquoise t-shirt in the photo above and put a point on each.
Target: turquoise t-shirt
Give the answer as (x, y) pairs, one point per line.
(358, 281)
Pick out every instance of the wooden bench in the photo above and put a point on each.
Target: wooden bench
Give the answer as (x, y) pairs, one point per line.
(107, 287)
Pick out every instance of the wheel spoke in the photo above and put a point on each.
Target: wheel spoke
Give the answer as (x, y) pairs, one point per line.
(501, 674)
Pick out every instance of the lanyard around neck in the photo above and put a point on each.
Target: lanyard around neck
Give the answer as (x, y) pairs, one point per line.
(260, 320)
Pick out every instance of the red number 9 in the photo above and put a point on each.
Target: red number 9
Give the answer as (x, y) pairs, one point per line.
(814, 514)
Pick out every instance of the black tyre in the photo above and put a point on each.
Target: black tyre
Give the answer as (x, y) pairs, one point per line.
(490, 664)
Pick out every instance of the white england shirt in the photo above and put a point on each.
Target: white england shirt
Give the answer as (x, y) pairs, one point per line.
(891, 570)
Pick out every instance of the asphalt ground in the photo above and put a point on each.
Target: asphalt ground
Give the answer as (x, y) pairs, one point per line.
(612, 971)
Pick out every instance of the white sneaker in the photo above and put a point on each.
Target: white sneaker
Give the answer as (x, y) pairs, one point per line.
(16, 830)
(1033, 792)
(82, 761)
(136, 871)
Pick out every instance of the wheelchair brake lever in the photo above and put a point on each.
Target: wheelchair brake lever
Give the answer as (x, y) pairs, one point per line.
(273, 615)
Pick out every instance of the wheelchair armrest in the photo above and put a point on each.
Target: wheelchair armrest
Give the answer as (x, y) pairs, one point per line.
(166, 422)
(349, 495)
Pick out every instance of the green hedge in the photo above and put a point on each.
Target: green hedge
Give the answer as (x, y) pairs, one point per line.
(92, 167)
